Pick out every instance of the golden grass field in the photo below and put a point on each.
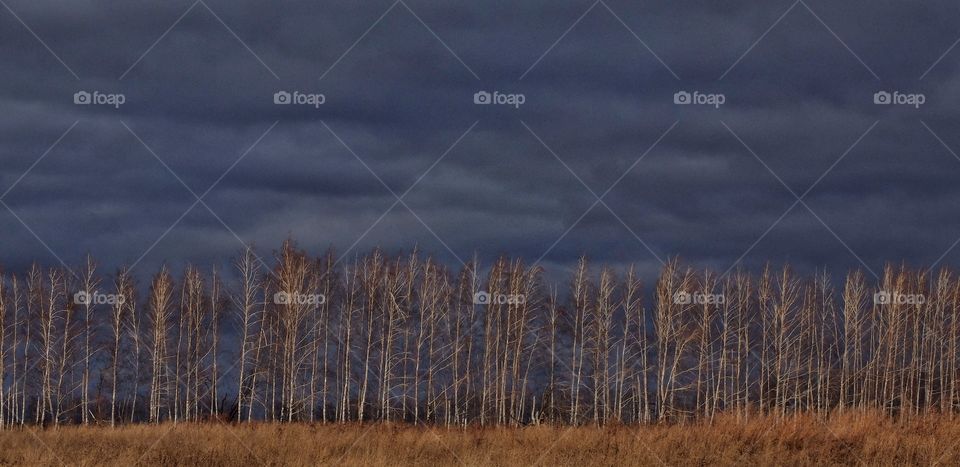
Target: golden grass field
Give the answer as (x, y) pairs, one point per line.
(843, 440)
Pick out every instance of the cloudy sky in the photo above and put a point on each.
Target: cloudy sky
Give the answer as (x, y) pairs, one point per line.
(798, 164)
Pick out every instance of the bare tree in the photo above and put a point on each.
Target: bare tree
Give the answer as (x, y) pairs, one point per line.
(160, 316)
(90, 283)
(407, 338)
(296, 285)
(248, 267)
(217, 305)
(123, 289)
(3, 349)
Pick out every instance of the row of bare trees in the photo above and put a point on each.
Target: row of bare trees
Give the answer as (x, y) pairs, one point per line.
(405, 338)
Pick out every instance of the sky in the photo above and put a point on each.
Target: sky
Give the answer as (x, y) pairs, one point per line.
(823, 134)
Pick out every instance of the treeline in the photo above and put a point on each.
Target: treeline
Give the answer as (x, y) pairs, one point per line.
(407, 339)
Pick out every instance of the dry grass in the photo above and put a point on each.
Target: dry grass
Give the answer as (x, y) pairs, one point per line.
(850, 439)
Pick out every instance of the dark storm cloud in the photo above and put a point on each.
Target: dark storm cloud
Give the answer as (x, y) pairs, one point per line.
(200, 116)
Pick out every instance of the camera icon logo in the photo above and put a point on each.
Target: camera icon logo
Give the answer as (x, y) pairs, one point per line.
(882, 98)
(482, 98)
(882, 298)
(81, 98)
(281, 298)
(481, 298)
(281, 97)
(682, 98)
(81, 298)
(682, 298)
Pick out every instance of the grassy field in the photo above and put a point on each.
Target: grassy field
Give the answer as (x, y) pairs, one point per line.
(794, 441)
